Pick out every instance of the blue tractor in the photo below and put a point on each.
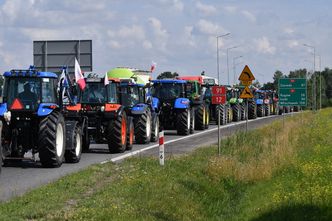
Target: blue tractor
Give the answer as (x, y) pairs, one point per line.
(176, 111)
(263, 103)
(35, 119)
(143, 108)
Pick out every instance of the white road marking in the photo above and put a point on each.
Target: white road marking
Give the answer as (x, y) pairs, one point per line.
(133, 153)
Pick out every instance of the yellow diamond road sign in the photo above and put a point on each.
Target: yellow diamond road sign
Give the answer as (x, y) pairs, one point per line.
(246, 93)
(246, 75)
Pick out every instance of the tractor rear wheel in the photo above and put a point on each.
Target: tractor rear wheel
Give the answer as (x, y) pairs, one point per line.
(51, 140)
(252, 110)
(130, 135)
(85, 140)
(236, 112)
(243, 111)
(73, 143)
(143, 128)
(267, 110)
(155, 130)
(200, 117)
(117, 134)
(220, 108)
(260, 110)
(192, 122)
(207, 118)
(183, 122)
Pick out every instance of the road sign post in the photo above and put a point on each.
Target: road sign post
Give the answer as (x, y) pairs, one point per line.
(218, 97)
(246, 78)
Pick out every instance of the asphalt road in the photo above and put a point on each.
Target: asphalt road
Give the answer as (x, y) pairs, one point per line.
(18, 178)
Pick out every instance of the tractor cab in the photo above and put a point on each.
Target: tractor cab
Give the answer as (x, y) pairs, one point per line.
(97, 96)
(132, 93)
(168, 90)
(28, 90)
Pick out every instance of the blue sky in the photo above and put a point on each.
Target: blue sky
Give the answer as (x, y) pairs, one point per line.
(178, 35)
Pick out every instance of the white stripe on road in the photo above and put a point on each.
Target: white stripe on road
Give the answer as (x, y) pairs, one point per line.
(133, 153)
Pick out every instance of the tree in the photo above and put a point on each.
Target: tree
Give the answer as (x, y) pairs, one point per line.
(167, 74)
(277, 75)
(256, 84)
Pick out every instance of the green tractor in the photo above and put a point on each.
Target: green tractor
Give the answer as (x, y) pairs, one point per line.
(237, 104)
(196, 96)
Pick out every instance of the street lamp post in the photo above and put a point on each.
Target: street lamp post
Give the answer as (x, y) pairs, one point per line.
(234, 59)
(227, 51)
(220, 36)
(314, 79)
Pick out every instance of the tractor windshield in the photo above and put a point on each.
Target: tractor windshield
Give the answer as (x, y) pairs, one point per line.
(98, 93)
(22, 93)
(132, 95)
(167, 91)
(259, 95)
(94, 92)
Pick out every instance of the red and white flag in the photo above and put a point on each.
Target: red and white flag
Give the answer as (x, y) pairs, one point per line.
(106, 81)
(153, 66)
(79, 76)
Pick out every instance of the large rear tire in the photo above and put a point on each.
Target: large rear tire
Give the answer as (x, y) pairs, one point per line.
(236, 112)
(192, 122)
(260, 110)
(183, 122)
(85, 140)
(51, 140)
(73, 143)
(207, 118)
(1, 156)
(222, 114)
(155, 130)
(117, 134)
(252, 110)
(130, 135)
(267, 110)
(143, 128)
(243, 111)
(200, 117)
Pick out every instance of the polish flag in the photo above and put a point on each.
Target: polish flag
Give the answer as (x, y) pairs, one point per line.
(79, 76)
(106, 81)
(153, 66)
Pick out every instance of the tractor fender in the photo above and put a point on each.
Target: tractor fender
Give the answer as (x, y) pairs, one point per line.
(259, 101)
(182, 103)
(139, 109)
(3, 109)
(46, 109)
(233, 100)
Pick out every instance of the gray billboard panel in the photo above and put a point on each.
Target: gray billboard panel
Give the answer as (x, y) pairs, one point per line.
(53, 55)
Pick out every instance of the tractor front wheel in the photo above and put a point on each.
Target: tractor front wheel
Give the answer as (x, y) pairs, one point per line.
(51, 140)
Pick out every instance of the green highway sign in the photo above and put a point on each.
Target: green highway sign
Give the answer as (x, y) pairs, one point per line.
(292, 92)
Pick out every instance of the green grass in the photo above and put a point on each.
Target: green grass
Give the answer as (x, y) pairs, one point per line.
(279, 172)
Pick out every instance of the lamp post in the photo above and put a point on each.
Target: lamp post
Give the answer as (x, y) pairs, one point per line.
(320, 82)
(227, 51)
(314, 79)
(219, 36)
(234, 59)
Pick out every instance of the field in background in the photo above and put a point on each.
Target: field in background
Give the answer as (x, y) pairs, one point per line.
(280, 172)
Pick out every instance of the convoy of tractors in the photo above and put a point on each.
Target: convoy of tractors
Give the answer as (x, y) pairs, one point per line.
(52, 117)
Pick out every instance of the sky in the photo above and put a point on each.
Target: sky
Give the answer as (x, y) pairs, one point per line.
(178, 35)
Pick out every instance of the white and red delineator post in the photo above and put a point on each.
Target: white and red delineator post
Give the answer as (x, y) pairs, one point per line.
(161, 149)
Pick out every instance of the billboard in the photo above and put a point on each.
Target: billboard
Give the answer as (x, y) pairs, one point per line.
(53, 55)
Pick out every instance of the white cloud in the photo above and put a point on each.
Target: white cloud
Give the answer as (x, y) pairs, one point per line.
(147, 44)
(206, 9)
(264, 46)
(188, 36)
(230, 9)
(293, 43)
(161, 35)
(133, 32)
(210, 28)
(289, 30)
(249, 15)
(178, 5)
(114, 44)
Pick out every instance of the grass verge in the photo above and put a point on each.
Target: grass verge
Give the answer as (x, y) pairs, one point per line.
(279, 172)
